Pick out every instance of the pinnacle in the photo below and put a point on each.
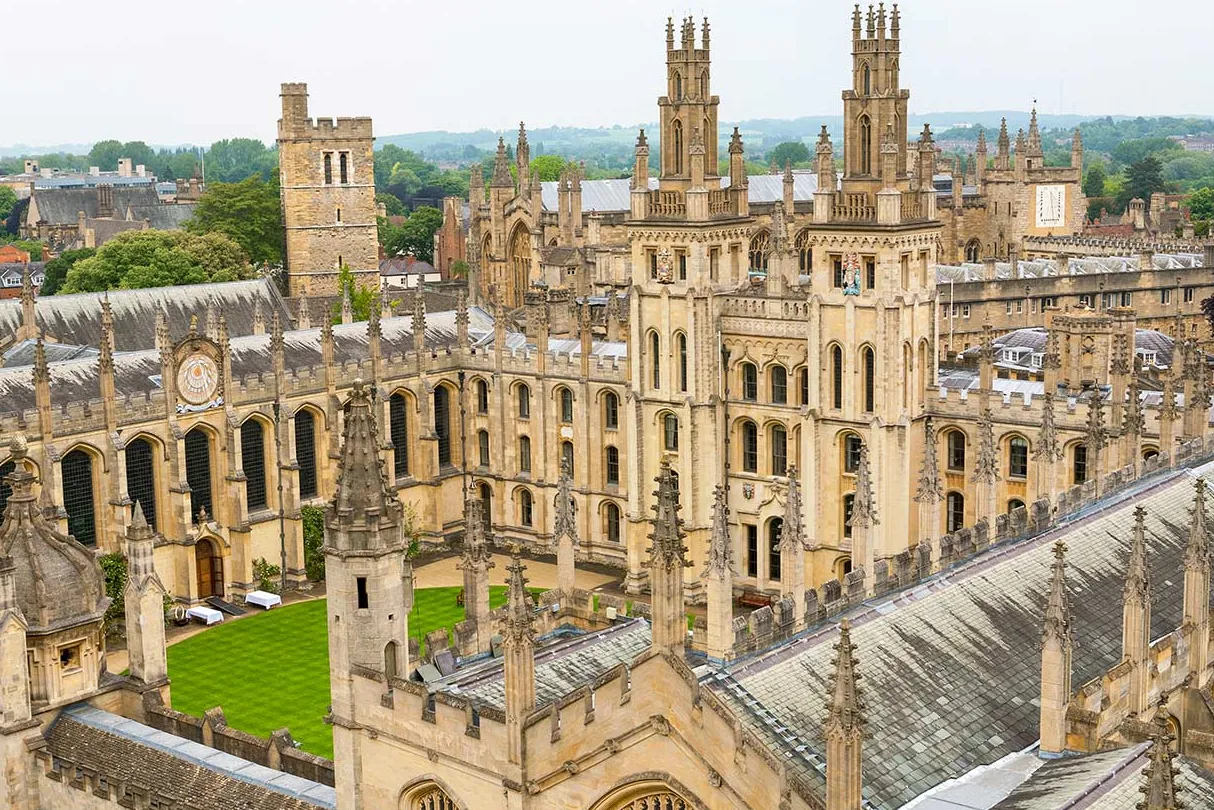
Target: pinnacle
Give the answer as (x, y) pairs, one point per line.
(138, 519)
(1159, 791)
(792, 533)
(1057, 608)
(667, 549)
(363, 506)
(846, 712)
(1197, 553)
(720, 549)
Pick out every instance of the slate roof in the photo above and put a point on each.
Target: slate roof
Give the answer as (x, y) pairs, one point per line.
(615, 194)
(951, 668)
(76, 319)
(62, 206)
(22, 354)
(191, 774)
(1108, 780)
(1042, 268)
(561, 666)
(1034, 339)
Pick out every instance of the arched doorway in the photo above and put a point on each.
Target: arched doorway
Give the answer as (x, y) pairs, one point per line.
(209, 566)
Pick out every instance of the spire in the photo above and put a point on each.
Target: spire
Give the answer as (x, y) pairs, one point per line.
(895, 23)
(519, 618)
(929, 490)
(1020, 145)
(42, 371)
(735, 142)
(1159, 789)
(667, 549)
(986, 467)
(864, 509)
(1047, 448)
(1057, 606)
(1138, 573)
(720, 549)
(855, 22)
(501, 168)
(418, 326)
(792, 530)
(476, 546)
(1136, 616)
(667, 559)
(846, 711)
(276, 340)
(1034, 139)
(1197, 552)
(347, 305)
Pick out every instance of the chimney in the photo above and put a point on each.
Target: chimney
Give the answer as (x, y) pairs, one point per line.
(124, 167)
(94, 171)
(141, 171)
(105, 201)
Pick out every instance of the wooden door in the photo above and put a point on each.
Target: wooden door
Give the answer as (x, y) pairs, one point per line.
(209, 567)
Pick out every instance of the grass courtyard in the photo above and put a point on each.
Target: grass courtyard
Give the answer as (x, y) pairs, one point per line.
(272, 670)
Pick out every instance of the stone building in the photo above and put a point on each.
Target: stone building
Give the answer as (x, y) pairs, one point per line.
(328, 197)
(70, 218)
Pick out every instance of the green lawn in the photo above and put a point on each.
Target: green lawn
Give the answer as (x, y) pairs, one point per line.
(272, 670)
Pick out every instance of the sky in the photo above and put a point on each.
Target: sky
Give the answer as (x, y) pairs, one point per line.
(172, 72)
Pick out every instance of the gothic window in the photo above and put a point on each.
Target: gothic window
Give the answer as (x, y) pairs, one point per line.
(611, 411)
(803, 380)
(750, 447)
(520, 266)
(567, 456)
(849, 503)
(779, 450)
(868, 80)
(674, 481)
(1014, 504)
(678, 87)
(328, 168)
(852, 444)
(482, 396)
(253, 462)
(6, 469)
(682, 343)
(482, 445)
(613, 466)
(805, 253)
(524, 507)
(677, 133)
(305, 453)
(704, 85)
(836, 376)
(78, 500)
(140, 478)
(611, 516)
(198, 472)
(773, 547)
(398, 427)
(658, 798)
(956, 450)
(343, 162)
(870, 374)
(670, 431)
(866, 145)
(1017, 457)
(973, 251)
(524, 401)
(752, 550)
(655, 359)
(778, 377)
(390, 660)
(870, 273)
(1079, 463)
(566, 397)
(760, 249)
(487, 512)
(432, 798)
(954, 512)
(442, 424)
(750, 381)
(524, 454)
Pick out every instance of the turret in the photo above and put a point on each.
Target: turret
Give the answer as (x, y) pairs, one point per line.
(824, 196)
(687, 105)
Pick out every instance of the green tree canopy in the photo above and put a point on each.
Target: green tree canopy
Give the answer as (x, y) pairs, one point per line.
(415, 237)
(392, 204)
(232, 160)
(1128, 152)
(790, 151)
(105, 155)
(31, 246)
(57, 269)
(136, 259)
(1142, 179)
(362, 297)
(8, 199)
(548, 167)
(1201, 203)
(247, 212)
(1093, 181)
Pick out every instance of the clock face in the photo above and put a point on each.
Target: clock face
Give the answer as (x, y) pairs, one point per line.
(198, 379)
(1051, 206)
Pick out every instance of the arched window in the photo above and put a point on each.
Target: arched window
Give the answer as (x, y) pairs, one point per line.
(805, 253)
(6, 489)
(682, 344)
(956, 450)
(253, 463)
(760, 250)
(778, 377)
(655, 360)
(305, 453)
(611, 411)
(866, 145)
(973, 251)
(1079, 464)
(750, 381)
(524, 401)
(1017, 457)
(398, 426)
(328, 168)
(678, 87)
(704, 85)
(779, 450)
(78, 497)
(750, 447)
(852, 444)
(482, 445)
(567, 456)
(1147, 454)
(803, 384)
(836, 376)
(343, 162)
(611, 516)
(524, 454)
(954, 512)
(198, 472)
(487, 512)
(868, 80)
(431, 798)
(140, 478)
(613, 466)
(566, 397)
(677, 139)
(390, 660)
(1014, 504)
(849, 503)
(670, 431)
(442, 424)
(524, 507)
(774, 526)
(520, 265)
(482, 396)
(869, 359)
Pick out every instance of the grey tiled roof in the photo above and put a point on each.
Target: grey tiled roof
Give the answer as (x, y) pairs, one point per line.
(62, 206)
(615, 195)
(191, 774)
(561, 667)
(951, 669)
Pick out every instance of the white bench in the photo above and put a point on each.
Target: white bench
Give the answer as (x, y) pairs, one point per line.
(205, 614)
(262, 599)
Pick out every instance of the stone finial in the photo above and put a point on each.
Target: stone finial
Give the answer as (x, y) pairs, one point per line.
(364, 513)
(929, 489)
(1077, 141)
(1134, 419)
(566, 507)
(642, 142)
(42, 370)
(864, 507)
(1097, 435)
(845, 717)
(192, 332)
(667, 549)
(476, 545)
(1057, 606)
(1047, 448)
(1138, 573)
(1167, 405)
(276, 338)
(735, 142)
(1004, 144)
(519, 618)
(1034, 136)
(792, 530)
(501, 168)
(1197, 550)
(304, 319)
(259, 318)
(461, 317)
(720, 548)
(981, 148)
(986, 466)
(139, 542)
(347, 305)
(1159, 787)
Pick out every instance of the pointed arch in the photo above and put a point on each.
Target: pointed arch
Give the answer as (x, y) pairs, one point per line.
(866, 80)
(865, 164)
(973, 249)
(653, 789)
(519, 258)
(676, 137)
(760, 251)
(428, 792)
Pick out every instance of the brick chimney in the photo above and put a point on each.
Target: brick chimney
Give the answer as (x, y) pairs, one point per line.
(105, 201)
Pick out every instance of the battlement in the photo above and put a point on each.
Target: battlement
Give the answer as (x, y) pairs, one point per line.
(295, 125)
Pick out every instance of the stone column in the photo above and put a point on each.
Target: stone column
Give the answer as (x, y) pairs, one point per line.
(143, 601)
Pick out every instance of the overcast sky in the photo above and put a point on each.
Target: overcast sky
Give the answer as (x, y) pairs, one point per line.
(175, 72)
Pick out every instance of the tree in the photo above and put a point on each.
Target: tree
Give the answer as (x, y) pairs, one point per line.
(135, 259)
(415, 237)
(232, 160)
(362, 297)
(789, 152)
(8, 199)
(1133, 151)
(105, 154)
(247, 212)
(1093, 182)
(1201, 203)
(1143, 179)
(392, 204)
(57, 269)
(548, 167)
(31, 246)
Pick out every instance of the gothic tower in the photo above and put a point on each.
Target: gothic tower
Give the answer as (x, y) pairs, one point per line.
(688, 110)
(875, 105)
